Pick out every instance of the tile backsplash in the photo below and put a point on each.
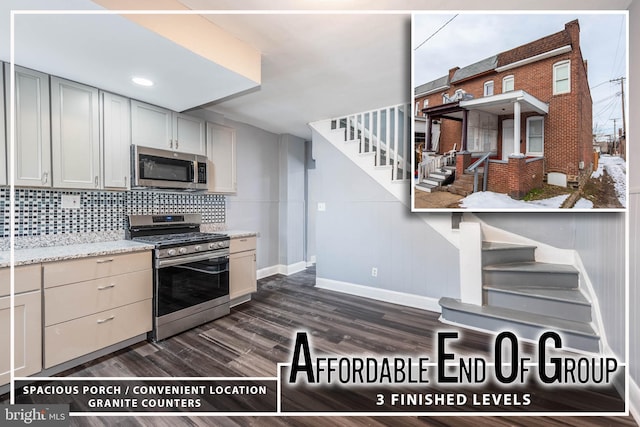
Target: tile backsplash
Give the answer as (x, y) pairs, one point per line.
(39, 212)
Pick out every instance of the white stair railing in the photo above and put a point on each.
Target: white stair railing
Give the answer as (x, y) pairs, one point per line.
(385, 132)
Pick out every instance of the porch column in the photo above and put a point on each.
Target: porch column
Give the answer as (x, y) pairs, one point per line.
(427, 136)
(516, 130)
(465, 121)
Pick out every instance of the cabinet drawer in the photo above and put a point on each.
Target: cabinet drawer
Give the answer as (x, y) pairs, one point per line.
(27, 278)
(68, 340)
(61, 302)
(241, 244)
(81, 270)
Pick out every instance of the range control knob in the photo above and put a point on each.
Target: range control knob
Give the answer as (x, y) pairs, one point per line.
(197, 248)
(171, 252)
(182, 250)
(212, 245)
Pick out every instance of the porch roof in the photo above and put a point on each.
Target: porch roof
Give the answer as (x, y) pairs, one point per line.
(500, 104)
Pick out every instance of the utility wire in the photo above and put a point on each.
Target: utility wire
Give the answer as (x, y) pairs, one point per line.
(436, 32)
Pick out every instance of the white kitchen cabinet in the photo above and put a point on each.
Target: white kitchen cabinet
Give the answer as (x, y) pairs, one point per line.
(116, 292)
(157, 127)
(32, 126)
(3, 139)
(115, 134)
(221, 154)
(75, 135)
(242, 267)
(27, 323)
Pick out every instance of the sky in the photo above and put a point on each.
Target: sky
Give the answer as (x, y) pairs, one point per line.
(471, 37)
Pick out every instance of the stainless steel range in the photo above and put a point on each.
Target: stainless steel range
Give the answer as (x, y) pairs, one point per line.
(191, 271)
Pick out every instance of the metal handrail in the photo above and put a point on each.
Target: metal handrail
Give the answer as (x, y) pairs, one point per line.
(474, 168)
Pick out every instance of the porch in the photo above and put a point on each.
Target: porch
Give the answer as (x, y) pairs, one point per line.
(493, 154)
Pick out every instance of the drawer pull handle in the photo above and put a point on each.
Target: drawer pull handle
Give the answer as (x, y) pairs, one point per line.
(108, 319)
(102, 288)
(243, 240)
(102, 261)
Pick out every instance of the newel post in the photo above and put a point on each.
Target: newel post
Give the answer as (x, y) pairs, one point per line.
(471, 263)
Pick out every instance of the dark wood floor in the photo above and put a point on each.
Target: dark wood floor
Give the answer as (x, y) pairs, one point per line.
(259, 334)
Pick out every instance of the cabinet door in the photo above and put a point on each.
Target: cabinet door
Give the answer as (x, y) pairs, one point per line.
(116, 140)
(3, 139)
(27, 336)
(242, 274)
(32, 155)
(221, 154)
(151, 126)
(75, 135)
(188, 134)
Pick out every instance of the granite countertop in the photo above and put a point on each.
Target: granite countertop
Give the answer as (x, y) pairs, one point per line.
(237, 234)
(60, 253)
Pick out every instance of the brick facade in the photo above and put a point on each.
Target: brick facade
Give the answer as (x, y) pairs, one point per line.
(568, 124)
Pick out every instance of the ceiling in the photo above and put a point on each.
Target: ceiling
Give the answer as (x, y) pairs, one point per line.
(313, 65)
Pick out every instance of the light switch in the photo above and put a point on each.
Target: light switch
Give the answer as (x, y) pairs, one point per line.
(70, 201)
(322, 207)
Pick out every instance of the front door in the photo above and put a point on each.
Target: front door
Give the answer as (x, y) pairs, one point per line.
(507, 138)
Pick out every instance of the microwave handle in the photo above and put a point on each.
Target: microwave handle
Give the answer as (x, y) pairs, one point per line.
(194, 171)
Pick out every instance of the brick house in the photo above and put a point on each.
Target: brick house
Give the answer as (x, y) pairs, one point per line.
(529, 108)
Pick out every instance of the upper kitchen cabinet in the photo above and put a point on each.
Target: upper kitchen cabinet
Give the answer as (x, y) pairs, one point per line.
(3, 139)
(116, 140)
(157, 127)
(221, 152)
(75, 135)
(32, 127)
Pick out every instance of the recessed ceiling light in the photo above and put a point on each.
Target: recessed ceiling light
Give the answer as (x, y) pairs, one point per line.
(142, 81)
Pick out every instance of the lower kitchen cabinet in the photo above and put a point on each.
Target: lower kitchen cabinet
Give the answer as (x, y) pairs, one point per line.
(242, 267)
(27, 321)
(107, 300)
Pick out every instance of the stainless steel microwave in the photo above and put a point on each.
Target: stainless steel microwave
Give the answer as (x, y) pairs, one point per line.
(155, 168)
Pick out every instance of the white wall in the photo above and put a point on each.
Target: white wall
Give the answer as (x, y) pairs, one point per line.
(292, 200)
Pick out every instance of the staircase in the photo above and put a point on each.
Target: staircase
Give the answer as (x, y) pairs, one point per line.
(437, 178)
(378, 141)
(463, 185)
(527, 297)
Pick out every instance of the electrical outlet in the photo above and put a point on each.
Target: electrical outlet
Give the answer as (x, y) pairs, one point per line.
(71, 201)
(322, 207)
(374, 272)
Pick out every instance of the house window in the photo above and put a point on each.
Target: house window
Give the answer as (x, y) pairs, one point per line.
(417, 113)
(445, 98)
(488, 88)
(535, 135)
(561, 77)
(507, 84)
(425, 104)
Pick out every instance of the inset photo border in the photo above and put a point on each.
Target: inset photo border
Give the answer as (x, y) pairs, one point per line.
(519, 111)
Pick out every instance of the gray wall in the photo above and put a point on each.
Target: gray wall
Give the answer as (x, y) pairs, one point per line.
(292, 199)
(599, 238)
(364, 227)
(256, 206)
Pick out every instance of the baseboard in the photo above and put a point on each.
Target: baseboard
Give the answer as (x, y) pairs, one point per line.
(401, 298)
(634, 399)
(285, 270)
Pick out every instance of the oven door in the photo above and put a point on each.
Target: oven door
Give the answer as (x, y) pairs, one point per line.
(190, 284)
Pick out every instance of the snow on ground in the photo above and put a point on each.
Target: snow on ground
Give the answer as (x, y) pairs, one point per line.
(491, 200)
(583, 204)
(616, 167)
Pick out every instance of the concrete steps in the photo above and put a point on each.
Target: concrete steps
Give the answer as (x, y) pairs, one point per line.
(442, 176)
(463, 186)
(527, 297)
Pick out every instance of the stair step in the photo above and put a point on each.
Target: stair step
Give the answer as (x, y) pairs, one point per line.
(569, 304)
(531, 274)
(429, 188)
(504, 253)
(576, 335)
(434, 180)
(439, 175)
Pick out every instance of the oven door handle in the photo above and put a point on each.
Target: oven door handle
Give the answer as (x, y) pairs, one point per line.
(170, 262)
(201, 270)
